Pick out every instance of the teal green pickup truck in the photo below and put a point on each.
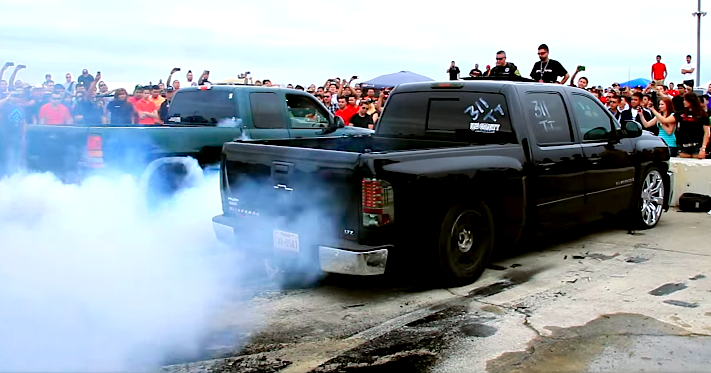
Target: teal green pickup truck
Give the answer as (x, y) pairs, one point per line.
(200, 120)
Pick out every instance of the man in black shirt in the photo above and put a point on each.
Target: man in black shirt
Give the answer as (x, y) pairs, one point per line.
(678, 100)
(475, 71)
(453, 71)
(85, 78)
(547, 70)
(502, 67)
(361, 118)
(636, 110)
(165, 106)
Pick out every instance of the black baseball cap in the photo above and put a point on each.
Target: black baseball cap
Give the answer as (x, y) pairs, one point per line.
(169, 88)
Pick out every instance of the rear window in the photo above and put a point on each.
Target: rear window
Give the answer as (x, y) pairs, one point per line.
(450, 116)
(208, 107)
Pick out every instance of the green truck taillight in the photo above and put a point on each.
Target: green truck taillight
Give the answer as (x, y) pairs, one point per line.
(378, 203)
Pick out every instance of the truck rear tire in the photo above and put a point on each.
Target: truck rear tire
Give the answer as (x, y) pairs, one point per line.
(165, 177)
(466, 240)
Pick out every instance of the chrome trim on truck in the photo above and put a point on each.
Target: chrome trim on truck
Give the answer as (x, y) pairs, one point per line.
(345, 262)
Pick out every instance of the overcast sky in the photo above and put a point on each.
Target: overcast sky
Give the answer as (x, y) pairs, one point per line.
(304, 42)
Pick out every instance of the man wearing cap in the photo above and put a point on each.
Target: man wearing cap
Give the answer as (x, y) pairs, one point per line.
(85, 78)
(165, 106)
(502, 67)
(12, 131)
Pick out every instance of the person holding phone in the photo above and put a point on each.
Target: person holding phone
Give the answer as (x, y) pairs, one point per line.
(3, 83)
(582, 82)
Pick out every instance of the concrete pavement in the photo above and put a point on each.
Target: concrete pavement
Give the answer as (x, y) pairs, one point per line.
(598, 299)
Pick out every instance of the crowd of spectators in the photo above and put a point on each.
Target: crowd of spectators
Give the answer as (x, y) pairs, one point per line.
(673, 112)
(678, 114)
(88, 100)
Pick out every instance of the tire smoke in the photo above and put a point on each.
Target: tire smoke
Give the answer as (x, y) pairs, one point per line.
(93, 280)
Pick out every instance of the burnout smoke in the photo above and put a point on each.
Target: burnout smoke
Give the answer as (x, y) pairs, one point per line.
(90, 280)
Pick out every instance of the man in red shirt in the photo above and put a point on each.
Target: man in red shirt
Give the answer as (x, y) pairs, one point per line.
(353, 103)
(54, 112)
(146, 109)
(659, 71)
(344, 111)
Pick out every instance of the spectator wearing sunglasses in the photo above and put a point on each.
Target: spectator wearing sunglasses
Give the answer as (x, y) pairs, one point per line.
(502, 67)
(54, 112)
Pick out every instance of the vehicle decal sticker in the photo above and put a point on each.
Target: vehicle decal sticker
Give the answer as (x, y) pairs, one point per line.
(479, 108)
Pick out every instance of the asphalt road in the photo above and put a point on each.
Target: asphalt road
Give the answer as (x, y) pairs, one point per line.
(596, 300)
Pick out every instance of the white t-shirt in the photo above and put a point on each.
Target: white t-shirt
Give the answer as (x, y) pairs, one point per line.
(688, 66)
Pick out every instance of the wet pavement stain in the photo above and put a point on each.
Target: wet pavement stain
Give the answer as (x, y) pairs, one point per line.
(697, 277)
(636, 259)
(493, 309)
(667, 289)
(681, 303)
(574, 349)
(602, 256)
(406, 349)
(478, 330)
(446, 313)
(509, 280)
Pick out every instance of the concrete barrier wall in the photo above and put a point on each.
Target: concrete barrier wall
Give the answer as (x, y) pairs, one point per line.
(691, 176)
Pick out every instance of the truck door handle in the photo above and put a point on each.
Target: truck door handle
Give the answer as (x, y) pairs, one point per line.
(595, 159)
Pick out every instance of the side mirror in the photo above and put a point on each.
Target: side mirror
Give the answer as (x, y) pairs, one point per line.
(338, 121)
(631, 129)
(333, 126)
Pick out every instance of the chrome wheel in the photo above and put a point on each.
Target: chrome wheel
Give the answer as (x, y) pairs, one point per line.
(652, 198)
(469, 233)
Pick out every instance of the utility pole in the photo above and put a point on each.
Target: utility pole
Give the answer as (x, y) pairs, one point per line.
(698, 14)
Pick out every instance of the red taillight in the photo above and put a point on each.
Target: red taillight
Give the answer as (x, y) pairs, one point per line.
(95, 151)
(377, 202)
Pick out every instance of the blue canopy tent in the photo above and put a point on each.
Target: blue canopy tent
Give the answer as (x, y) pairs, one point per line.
(392, 80)
(636, 82)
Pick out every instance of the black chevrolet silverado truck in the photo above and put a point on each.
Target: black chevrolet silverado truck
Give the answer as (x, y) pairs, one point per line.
(453, 171)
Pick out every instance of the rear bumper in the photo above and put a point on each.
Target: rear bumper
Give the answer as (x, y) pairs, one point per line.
(344, 258)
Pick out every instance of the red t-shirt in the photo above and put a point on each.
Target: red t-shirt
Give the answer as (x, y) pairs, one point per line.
(658, 70)
(52, 115)
(346, 114)
(145, 106)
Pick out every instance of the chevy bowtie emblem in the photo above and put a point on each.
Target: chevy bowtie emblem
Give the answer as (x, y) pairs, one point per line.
(284, 187)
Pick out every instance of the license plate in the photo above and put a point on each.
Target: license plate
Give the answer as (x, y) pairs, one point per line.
(286, 241)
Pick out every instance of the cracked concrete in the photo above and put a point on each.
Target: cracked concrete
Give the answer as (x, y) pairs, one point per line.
(543, 308)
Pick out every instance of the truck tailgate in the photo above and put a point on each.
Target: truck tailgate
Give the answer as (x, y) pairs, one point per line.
(57, 149)
(313, 193)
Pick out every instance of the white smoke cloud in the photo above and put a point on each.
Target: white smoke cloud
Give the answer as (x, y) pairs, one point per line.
(90, 280)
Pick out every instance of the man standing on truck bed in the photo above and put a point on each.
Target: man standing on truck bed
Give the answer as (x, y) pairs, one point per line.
(547, 70)
(502, 67)
(146, 109)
